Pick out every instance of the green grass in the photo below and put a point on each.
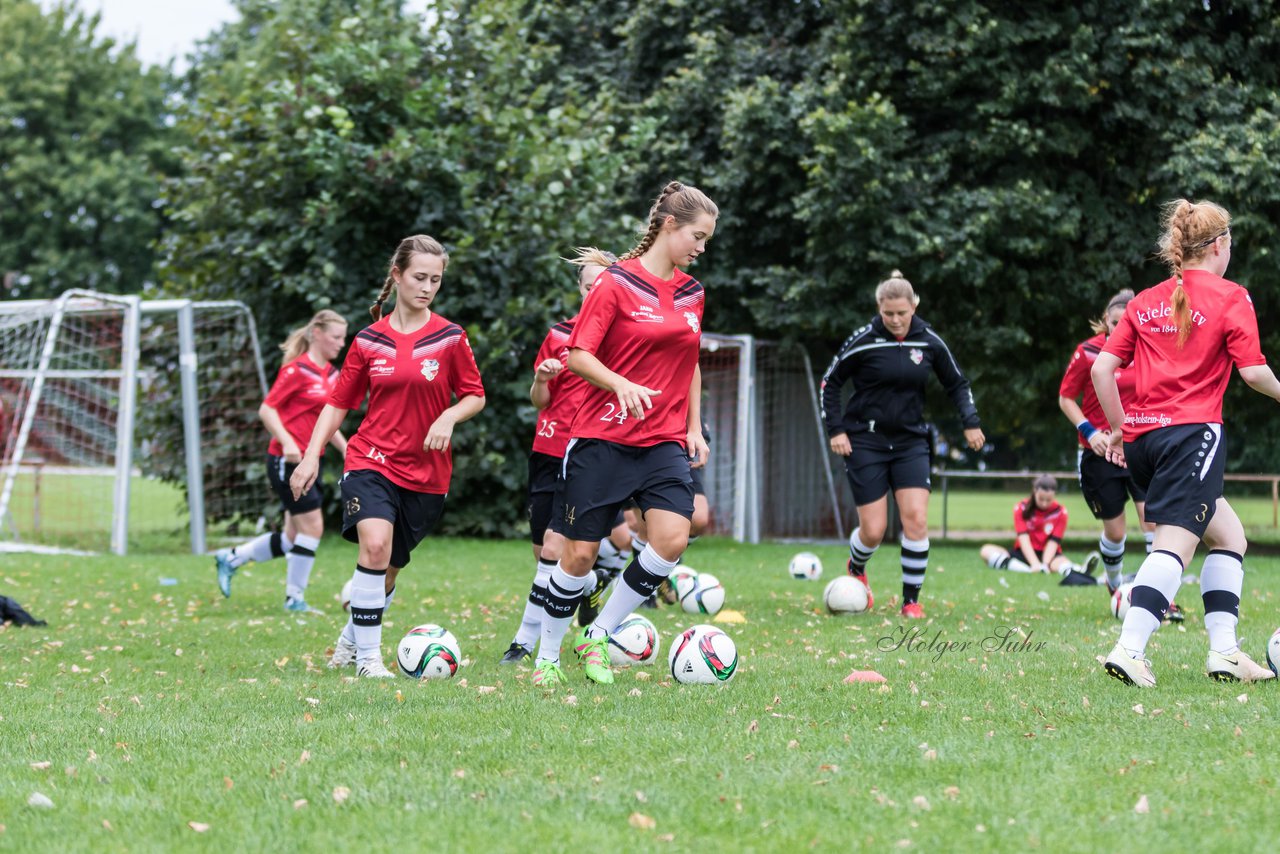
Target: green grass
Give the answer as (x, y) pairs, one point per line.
(156, 706)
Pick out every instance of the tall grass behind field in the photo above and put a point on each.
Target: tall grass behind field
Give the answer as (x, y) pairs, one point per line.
(162, 717)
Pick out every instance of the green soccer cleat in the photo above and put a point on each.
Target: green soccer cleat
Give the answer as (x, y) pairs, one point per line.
(548, 675)
(594, 655)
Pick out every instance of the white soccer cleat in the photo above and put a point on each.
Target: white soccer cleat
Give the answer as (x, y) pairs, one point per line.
(373, 669)
(344, 654)
(1235, 667)
(1129, 670)
(1092, 562)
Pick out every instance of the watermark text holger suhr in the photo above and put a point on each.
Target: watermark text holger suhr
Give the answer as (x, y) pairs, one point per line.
(917, 640)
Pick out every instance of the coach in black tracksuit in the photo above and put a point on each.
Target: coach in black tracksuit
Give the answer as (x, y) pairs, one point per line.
(882, 433)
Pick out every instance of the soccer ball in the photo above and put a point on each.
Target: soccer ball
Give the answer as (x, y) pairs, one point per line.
(681, 575)
(703, 595)
(635, 641)
(1273, 653)
(1120, 600)
(428, 652)
(845, 595)
(806, 566)
(345, 596)
(703, 655)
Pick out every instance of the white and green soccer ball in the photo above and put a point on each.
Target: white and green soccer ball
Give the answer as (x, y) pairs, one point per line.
(429, 652)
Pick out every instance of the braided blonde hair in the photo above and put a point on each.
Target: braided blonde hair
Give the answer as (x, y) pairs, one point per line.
(1190, 228)
(300, 339)
(896, 287)
(677, 200)
(400, 259)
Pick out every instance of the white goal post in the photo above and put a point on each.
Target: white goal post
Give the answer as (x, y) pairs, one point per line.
(770, 474)
(108, 402)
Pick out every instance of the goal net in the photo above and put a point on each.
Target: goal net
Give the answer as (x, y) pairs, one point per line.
(127, 424)
(770, 476)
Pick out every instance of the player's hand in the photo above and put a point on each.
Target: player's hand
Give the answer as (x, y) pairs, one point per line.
(548, 369)
(440, 434)
(974, 438)
(840, 444)
(304, 476)
(1099, 442)
(291, 453)
(635, 399)
(1115, 449)
(699, 451)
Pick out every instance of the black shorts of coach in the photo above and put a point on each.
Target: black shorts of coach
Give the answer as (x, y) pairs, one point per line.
(600, 476)
(370, 495)
(278, 474)
(1106, 486)
(545, 484)
(878, 465)
(1181, 468)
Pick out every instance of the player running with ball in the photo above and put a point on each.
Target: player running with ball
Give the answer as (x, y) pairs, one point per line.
(1183, 336)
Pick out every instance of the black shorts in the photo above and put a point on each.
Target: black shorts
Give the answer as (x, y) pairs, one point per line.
(600, 476)
(1181, 469)
(544, 479)
(278, 474)
(878, 465)
(1106, 486)
(370, 495)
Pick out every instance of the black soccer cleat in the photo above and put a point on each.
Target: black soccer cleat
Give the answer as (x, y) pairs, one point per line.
(1075, 578)
(1175, 614)
(589, 605)
(515, 654)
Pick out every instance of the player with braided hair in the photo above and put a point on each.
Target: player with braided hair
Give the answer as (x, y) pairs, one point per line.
(638, 426)
(1183, 336)
(411, 363)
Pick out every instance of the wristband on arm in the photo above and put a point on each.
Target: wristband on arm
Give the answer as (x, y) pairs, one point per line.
(1086, 429)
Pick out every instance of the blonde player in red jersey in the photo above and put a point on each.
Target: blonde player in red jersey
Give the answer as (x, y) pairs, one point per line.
(1183, 337)
(638, 426)
(289, 413)
(412, 364)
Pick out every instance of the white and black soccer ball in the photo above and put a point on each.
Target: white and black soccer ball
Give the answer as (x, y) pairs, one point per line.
(806, 566)
(1120, 600)
(681, 575)
(1273, 652)
(703, 655)
(703, 595)
(845, 595)
(345, 596)
(429, 652)
(635, 641)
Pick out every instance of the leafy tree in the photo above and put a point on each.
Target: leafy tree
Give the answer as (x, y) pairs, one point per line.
(83, 149)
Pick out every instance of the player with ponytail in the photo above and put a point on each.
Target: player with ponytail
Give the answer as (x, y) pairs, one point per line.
(1183, 336)
(636, 343)
(413, 364)
(302, 386)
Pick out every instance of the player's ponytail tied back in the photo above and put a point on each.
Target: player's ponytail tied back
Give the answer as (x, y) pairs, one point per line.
(683, 202)
(896, 287)
(1190, 228)
(418, 244)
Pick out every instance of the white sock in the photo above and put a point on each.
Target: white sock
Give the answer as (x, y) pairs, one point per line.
(391, 597)
(298, 562)
(1154, 587)
(1221, 580)
(1150, 537)
(859, 553)
(535, 606)
(260, 549)
(368, 601)
(563, 592)
(637, 584)
(1112, 560)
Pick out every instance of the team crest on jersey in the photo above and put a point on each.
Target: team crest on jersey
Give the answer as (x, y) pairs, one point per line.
(430, 367)
(916, 355)
(1048, 527)
(692, 319)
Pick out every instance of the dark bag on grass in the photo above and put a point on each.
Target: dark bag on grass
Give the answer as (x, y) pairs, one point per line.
(11, 610)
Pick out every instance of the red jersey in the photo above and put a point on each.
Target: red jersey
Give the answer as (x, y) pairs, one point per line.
(649, 331)
(1184, 386)
(411, 378)
(300, 391)
(1076, 382)
(566, 388)
(1043, 526)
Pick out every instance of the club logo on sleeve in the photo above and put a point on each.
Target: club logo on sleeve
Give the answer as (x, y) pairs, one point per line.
(430, 367)
(916, 356)
(692, 319)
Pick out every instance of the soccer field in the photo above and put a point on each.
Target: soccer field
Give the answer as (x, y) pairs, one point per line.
(163, 717)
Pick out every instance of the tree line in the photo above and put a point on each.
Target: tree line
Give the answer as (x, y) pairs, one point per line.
(1011, 160)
